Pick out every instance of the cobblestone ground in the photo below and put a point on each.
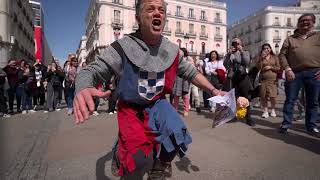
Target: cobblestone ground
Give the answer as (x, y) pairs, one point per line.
(51, 147)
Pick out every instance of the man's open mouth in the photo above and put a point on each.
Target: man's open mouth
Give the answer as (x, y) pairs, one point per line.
(156, 23)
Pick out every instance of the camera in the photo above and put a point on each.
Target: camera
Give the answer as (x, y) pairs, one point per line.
(234, 44)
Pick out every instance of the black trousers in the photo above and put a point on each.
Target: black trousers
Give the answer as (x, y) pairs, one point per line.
(12, 93)
(3, 101)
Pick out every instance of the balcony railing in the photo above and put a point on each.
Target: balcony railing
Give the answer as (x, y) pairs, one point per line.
(248, 31)
(276, 39)
(259, 26)
(192, 35)
(217, 20)
(289, 25)
(117, 1)
(117, 23)
(203, 18)
(179, 14)
(192, 53)
(276, 24)
(203, 36)
(179, 33)
(191, 17)
(218, 37)
(166, 31)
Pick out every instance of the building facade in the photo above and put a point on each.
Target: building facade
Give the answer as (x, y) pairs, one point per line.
(81, 51)
(272, 25)
(42, 49)
(16, 31)
(198, 25)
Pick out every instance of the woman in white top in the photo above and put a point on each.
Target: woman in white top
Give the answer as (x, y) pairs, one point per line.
(215, 69)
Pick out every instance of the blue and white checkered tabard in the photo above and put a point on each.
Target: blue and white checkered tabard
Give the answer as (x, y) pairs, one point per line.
(150, 84)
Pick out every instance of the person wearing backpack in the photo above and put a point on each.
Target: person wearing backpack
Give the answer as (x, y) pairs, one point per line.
(53, 84)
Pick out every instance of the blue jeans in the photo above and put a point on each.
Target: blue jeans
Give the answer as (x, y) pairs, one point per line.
(70, 97)
(307, 80)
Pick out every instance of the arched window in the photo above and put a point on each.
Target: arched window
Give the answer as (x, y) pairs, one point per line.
(203, 47)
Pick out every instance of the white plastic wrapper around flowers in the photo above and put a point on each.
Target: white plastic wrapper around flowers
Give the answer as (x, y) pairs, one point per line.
(226, 108)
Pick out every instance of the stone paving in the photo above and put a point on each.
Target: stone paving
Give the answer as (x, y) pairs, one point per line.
(51, 147)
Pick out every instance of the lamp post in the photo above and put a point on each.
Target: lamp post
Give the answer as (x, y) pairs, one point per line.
(277, 48)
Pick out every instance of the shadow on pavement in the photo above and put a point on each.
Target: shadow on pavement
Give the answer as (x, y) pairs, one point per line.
(184, 164)
(100, 166)
(309, 144)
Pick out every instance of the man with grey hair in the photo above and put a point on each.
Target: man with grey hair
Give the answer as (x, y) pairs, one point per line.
(151, 132)
(300, 58)
(237, 62)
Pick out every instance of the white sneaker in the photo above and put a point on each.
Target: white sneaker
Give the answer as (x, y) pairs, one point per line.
(70, 111)
(58, 109)
(110, 113)
(273, 113)
(6, 115)
(95, 113)
(45, 111)
(265, 114)
(32, 111)
(24, 112)
(115, 112)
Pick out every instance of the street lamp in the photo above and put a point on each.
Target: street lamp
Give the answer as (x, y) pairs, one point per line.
(277, 48)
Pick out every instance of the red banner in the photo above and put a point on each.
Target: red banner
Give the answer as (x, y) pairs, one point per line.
(38, 43)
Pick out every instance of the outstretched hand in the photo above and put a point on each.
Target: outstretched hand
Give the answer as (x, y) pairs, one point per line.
(83, 103)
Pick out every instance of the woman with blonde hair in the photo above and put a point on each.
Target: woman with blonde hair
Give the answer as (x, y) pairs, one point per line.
(269, 66)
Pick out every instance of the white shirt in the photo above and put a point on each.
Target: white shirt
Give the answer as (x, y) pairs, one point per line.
(213, 66)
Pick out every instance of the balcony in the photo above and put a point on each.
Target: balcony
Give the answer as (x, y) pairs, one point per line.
(276, 39)
(276, 24)
(203, 18)
(289, 25)
(117, 1)
(166, 31)
(218, 37)
(191, 17)
(259, 27)
(204, 36)
(117, 23)
(217, 20)
(192, 53)
(191, 35)
(179, 33)
(179, 14)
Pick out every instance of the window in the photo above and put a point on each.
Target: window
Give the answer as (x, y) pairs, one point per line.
(288, 33)
(276, 34)
(191, 46)
(289, 22)
(203, 47)
(117, 16)
(191, 14)
(178, 24)
(166, 26)
(178, 13)
(203, 29)
(218, 19)
(276, 21)
(191, 28)
(218, 30)
(116, 1)
(203, 15)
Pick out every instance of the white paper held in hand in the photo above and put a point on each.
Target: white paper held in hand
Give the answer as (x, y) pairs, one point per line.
(226, 108)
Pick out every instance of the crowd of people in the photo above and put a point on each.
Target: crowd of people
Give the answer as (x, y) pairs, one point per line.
(36, 87)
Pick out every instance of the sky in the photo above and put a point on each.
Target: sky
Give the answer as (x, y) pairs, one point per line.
(65, 20)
